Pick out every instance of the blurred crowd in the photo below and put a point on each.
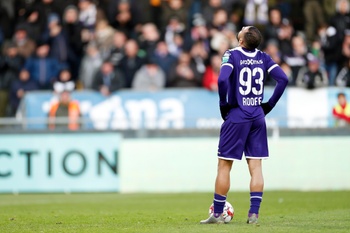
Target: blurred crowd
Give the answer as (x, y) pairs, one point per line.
(148, 45)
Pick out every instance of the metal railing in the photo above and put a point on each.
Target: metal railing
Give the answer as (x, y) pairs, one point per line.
(276, 127)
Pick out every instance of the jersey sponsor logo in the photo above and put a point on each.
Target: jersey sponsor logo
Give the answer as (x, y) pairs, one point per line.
(251, 62)
(225, 57)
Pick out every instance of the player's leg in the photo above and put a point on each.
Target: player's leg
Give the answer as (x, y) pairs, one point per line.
(256, 189)
(231, 146)
(256, 174)
(222, 182)
(222, 186)
(256, 149)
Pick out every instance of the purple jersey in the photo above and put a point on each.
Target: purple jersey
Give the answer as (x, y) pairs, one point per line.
(241, 83)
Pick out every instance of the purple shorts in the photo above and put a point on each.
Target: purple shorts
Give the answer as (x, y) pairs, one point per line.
(248, 137)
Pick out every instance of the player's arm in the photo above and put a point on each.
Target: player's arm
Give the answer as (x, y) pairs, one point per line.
(225, 72)
(224, 75)
(281, 79)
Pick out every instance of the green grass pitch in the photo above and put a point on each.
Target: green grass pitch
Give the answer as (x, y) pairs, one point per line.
(112, 212)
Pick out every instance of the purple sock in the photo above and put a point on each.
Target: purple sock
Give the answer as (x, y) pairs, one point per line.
(255, 200)
(219, 204)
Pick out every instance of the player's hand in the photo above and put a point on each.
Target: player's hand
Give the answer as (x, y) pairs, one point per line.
(224, 110)
(266, 108)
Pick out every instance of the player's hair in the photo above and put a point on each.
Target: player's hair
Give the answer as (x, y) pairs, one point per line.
(252, 38)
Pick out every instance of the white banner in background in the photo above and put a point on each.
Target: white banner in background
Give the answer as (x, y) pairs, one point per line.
(68, 162)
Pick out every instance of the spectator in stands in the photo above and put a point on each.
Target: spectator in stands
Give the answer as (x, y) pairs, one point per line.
(33, 23)
(272, 48)
(174, 8)
(108, 79)
(256, 12)
(285, 35)
(313, 75)
(209, 9)
(4, 97)
(287, 70)
(315, 49)
(199, 32)
(20, 8)
(285, 7)
(329, 40)
(64, 82)
(343, 78)
(90, 65)
(150, 77)
(1, 36)
(236, 15)
(87, 14)
(163, 58)
(175, 45)
(346, 46)
(19, 87)
(341, 19)
(87, 18)
(117, 50)
(222, 34)
(72, 30)
(10, 65)
(220, 43)
(131, 62)
(200, 57)
(104, 34)
(211, 75)
(341, 111)
(236, 6)
(43, 69)
(150, 10)
(25, 45)
(219, 22)
(341, 22)
(56, 39)
(80, 21)
(11, 62)
(194, 8)
(156, 10)
(184, 73)
(126, 18)
(62, 6)
(5, 22)
(329, 7)
(273, 27)
(45, 8)
(65, 112)
(314, 18)
(297, 58)
(149, 38)
(174, 36)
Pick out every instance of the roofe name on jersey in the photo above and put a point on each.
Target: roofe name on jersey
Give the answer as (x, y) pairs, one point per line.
(251, 101)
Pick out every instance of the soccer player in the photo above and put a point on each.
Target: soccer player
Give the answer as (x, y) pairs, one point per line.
(241, 86)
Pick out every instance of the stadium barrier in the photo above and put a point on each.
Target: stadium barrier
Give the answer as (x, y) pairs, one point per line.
(60, 162)
(190, 165)
(179, 109)
(106, 162)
